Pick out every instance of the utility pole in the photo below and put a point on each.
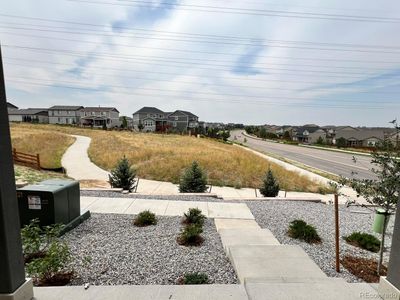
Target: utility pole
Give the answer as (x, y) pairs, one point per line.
(12, 273)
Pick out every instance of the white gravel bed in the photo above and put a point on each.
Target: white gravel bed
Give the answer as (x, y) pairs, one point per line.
(113, 194)
(276, 216)
(121, 253)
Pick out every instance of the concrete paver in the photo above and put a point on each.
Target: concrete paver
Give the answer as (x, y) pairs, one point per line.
(155, 206)
(247, 237)
(235, 223)
(110, 205)
(178, 208)
(229, 210)
(272, 261)
(325, 289)
(137, 292)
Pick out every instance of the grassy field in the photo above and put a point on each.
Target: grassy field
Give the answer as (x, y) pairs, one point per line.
(164, 157)
(50, 145)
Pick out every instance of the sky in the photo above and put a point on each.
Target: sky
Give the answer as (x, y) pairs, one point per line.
(335, 62)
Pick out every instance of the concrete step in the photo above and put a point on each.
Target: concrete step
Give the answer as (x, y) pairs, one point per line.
(271, 261)
(235, 224)
(246, 236)
(140, 292)
(327, 289)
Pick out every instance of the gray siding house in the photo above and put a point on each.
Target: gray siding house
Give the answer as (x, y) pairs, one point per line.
(99, 117)
(29, 115)
(150, 119)
(182, 121)
(64, 114)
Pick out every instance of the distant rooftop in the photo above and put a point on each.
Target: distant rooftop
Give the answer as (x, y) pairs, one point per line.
(65, 107)
(99, 109)
(149, 110)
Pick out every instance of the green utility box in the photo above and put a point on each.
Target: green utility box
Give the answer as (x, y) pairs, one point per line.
(379, 220)
(50, 201)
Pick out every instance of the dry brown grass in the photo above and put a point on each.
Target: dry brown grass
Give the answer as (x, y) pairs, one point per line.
(50, 145)
(164, 157)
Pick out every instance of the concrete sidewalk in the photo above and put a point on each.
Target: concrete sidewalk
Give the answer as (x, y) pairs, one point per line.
(165, 207)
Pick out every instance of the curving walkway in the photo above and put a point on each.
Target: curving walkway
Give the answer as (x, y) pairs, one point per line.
(77, 163)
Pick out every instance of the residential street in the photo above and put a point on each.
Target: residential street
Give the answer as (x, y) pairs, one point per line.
(329, 161)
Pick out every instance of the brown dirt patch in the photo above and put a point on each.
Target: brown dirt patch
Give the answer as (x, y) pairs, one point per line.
(363, 268)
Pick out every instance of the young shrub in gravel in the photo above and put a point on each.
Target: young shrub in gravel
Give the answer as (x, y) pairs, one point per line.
(298, 229)
(363, 240)
(194, 180)
(190, 235)
(194, 278)
(123, 175)
(145, 218)
(194, 216)
(270, 186)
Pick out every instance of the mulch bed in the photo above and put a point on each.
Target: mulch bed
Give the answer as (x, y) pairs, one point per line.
(363, 268)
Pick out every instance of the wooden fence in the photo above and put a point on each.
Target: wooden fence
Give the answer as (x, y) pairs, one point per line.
(26, 159)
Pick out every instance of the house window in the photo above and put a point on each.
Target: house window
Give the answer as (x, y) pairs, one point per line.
(174, 124)
(176, 118)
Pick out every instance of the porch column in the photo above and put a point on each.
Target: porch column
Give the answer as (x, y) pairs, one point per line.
(389, 287)
(12, 273)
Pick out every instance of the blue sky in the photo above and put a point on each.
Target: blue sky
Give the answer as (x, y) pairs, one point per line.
(249, 68)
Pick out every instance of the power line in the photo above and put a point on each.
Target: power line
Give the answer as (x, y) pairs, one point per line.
(242, 11)
(188, 82)
(183, 50)
(189, 35)
(178, 64)
(185, 98)
(346, 101)
(214, 42)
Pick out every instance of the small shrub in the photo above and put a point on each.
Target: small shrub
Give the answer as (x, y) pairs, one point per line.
(299, 229)
(123, 175)
(194, 278)
(194, 180)
(36, 240)
(194, 216)
(190, 235)
(270, 186)
(46, 257)
(364, 240)
(145, 218)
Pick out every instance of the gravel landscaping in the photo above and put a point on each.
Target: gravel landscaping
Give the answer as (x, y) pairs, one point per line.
(120, 253)
(276, 216)
(113, 194)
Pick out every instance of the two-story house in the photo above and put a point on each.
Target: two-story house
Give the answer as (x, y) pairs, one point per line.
(309, 134)
(65, 114)
(182, 121)
(150, 119)
(100, 117)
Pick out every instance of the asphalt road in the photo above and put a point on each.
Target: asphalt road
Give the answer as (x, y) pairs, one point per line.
(329, 161)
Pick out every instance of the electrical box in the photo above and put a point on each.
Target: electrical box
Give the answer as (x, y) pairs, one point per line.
(51, 201)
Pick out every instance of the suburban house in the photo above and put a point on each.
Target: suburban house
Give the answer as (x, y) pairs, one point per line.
(99, 117)
(151, 119)
(64, 114)
(181, 121)
(309, 134)
(29, 115)
(359, 137)
(11, 106)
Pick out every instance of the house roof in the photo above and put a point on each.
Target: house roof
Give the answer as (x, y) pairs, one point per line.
(65, 107)
(188, 113)
(149, 110)
(310, 129)
(28, 111)
(99, 109)
(360, 134)
(10, 105)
